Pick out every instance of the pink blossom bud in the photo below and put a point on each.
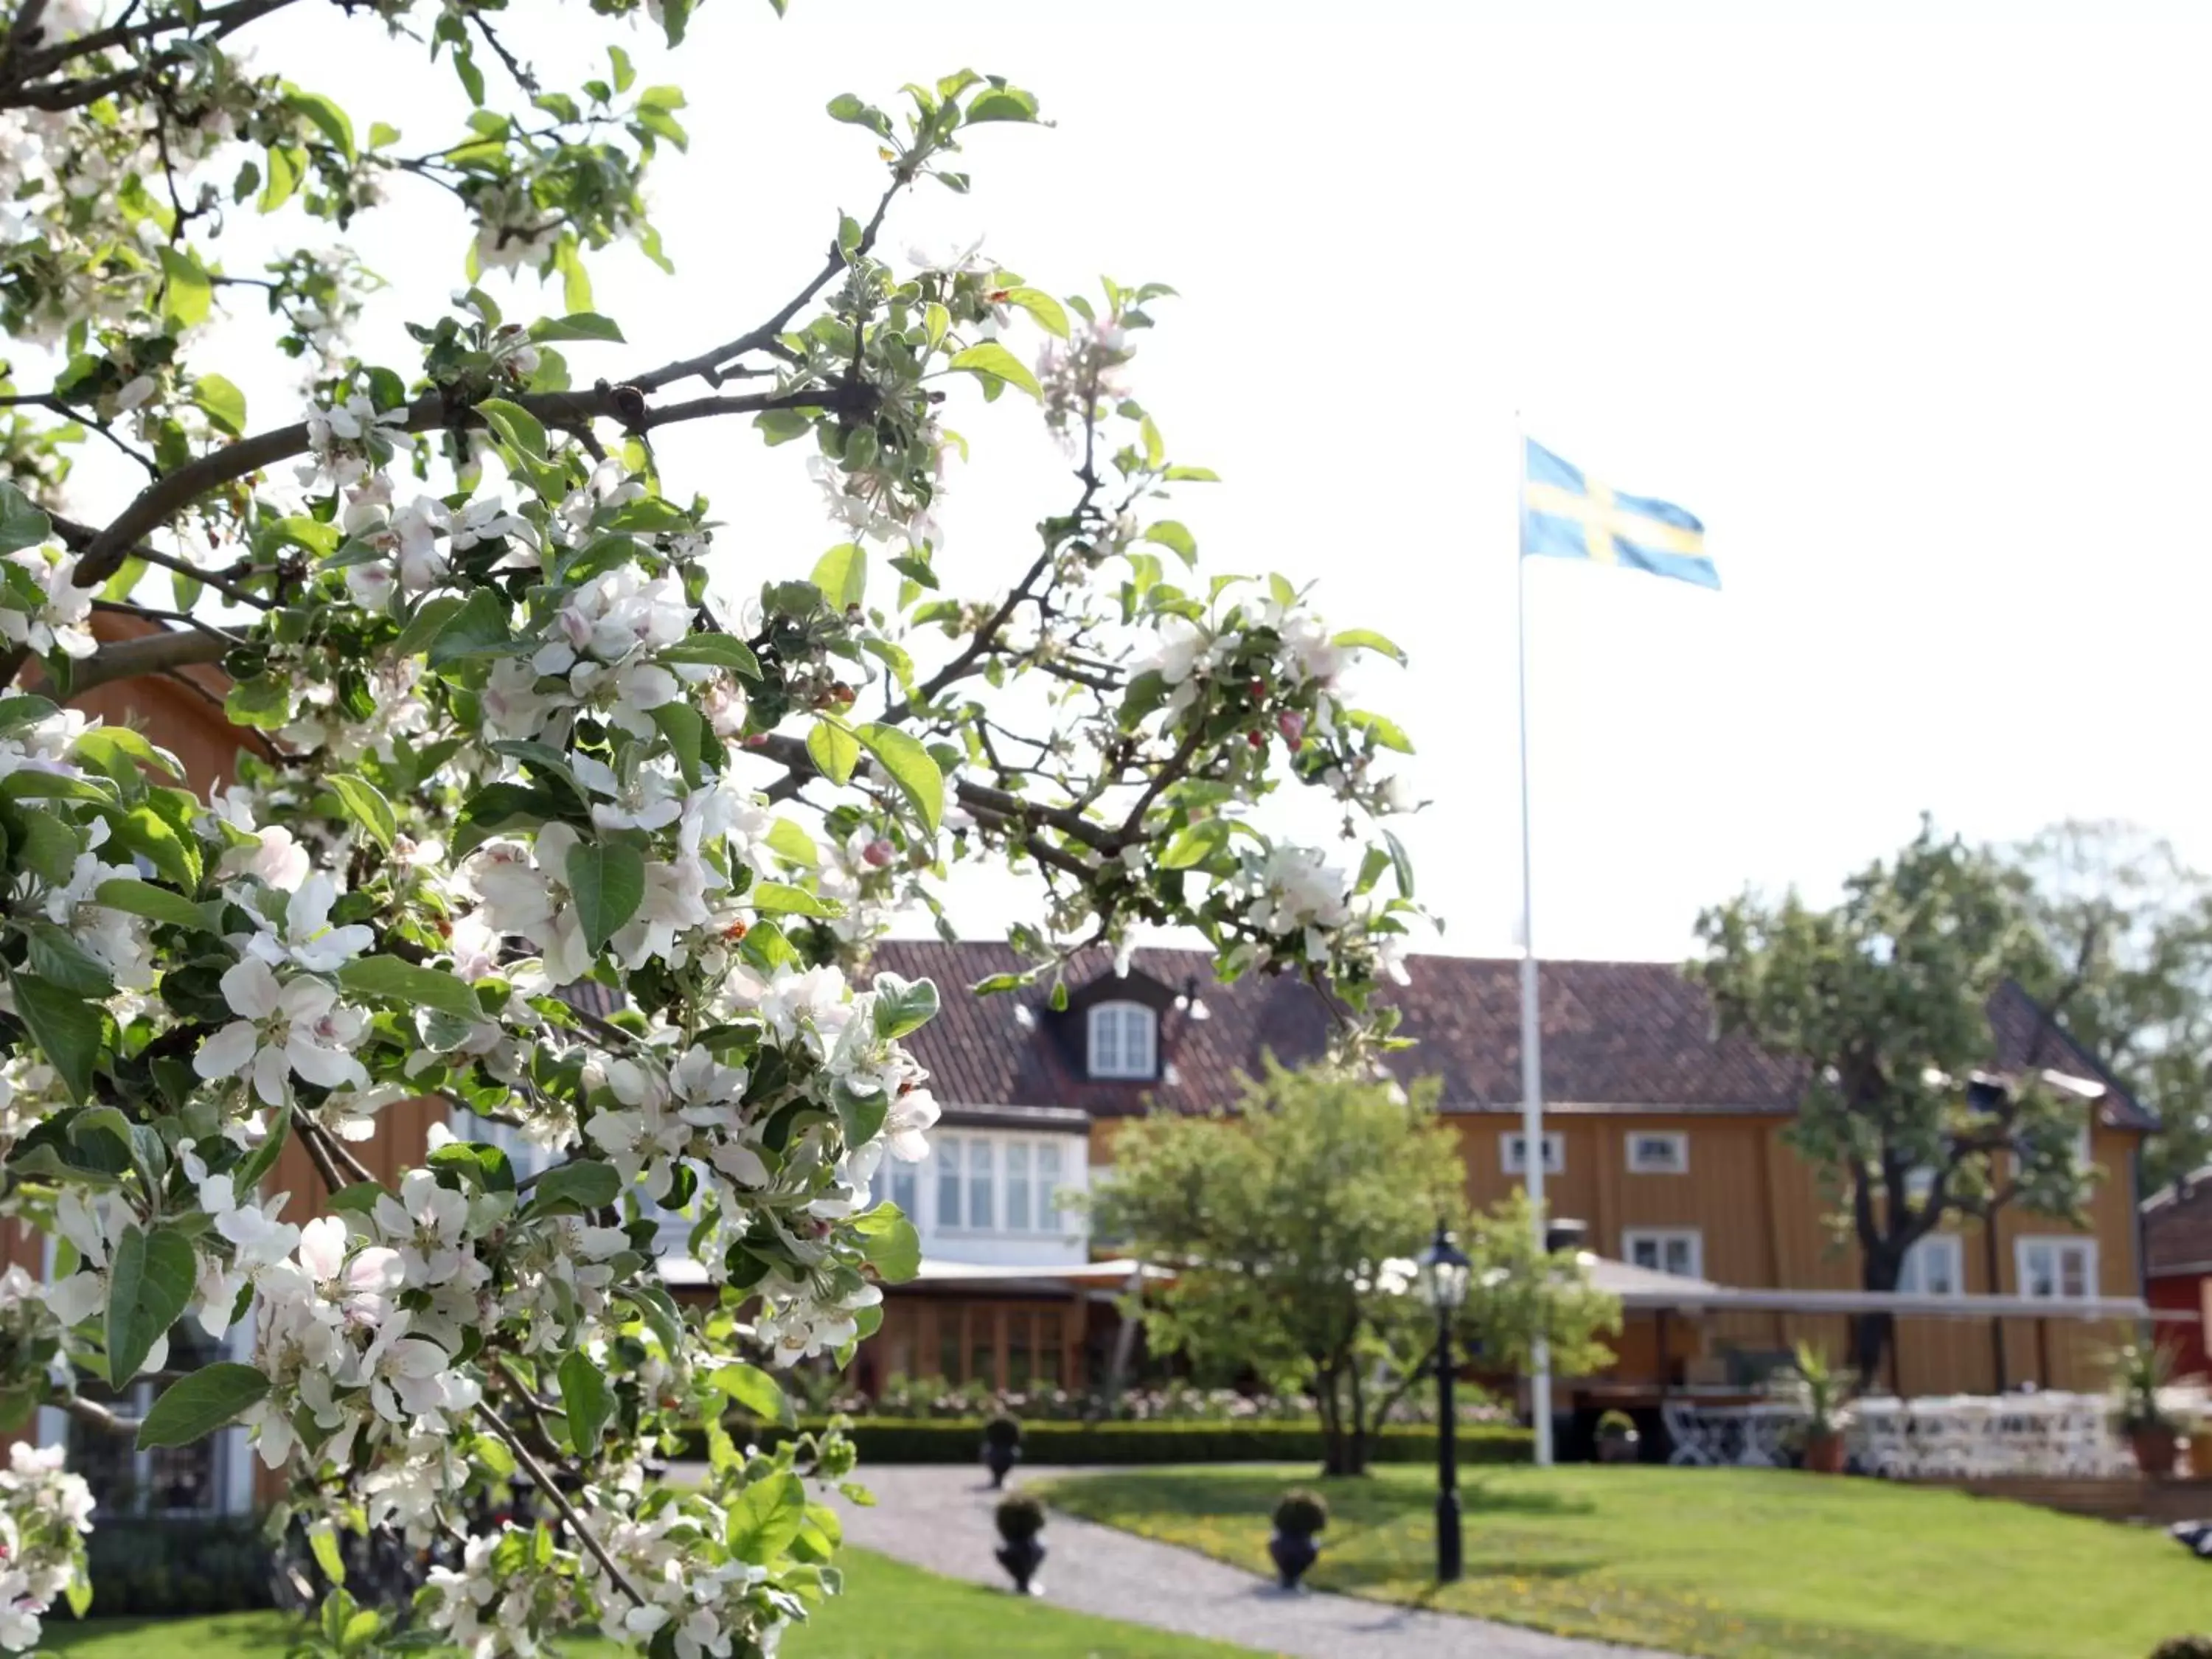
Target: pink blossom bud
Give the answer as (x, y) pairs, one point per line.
(879, 853)
(1293, 726)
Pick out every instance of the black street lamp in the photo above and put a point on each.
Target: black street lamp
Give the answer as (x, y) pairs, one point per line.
(1443, 1273)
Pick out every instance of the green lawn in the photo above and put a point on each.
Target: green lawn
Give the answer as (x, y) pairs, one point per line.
(889, 1611)
(1733, 1563)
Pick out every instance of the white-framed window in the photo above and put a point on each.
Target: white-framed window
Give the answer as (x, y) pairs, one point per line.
(1936, 1265)
(990, 1183)
(1513, 1152)
(1124, 1040)
(2056, 1267)
(1658, 1152)
(1678, 1250)
(900, 1182)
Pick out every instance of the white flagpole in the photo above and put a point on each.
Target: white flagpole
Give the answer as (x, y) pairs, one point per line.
(1532, 1053)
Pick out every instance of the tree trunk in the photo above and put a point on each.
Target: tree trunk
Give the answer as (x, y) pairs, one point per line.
(1356, 1435)
(1872, 1333)
(1333, 1451)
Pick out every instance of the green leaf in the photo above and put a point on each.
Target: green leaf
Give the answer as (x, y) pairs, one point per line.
(20, 711)
(187, 295)
(518, 428)
(765, 1517)
(579, 325)
(1195, 844)
(478, 628)
(323, 1538)
(1169, 533)
(1367, 639)
(263, 702)
(911, 767)
(21, 524)
(67, 1029)
(573, 1189)
(49, 847)
(992, 360)
(223, 403)
(794, 843)
(715, 650)
(902, 1007)
(1051, 315)
(366, 806)
(888, 1242)
(1192, 475)
(149, 1279)
(675, 17)
(143, 898)
(841, 574)
(575, 281)
(1002, 104)
(281, 166)
(176, 856)
(328, 118)
(118, 751)
(606, 880)
(834, 750)
(429, 619)
(199, 1403)
(753, 1389)
(1401, 863)
(782, 897)
(588, 1403)
(57, 957)
(394, 980)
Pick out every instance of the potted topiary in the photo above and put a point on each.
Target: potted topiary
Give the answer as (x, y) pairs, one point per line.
(1821, 1391)
(2198, 1436)
(1020, 1519)
(1298, 1515)
(1618, 1441)
(2139, 1372)
(1002, 1447)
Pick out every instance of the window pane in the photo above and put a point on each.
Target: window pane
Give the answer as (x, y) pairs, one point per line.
(948, 1344)
(1049, 1180)
(1018, 1186)
(978, 1183)
(947, 1155)
(1105, 1042)
(2040, 1280)
(1017, 1349)
(1137, 1041)
(1678, 1256)
(1047, 1349)
(2073, 1270)
(903, 1185)
(1644, 1252)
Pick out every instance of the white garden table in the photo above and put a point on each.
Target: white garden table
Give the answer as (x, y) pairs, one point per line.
(1939, 1436)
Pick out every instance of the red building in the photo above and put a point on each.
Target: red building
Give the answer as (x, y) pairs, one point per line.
(2177, 1227)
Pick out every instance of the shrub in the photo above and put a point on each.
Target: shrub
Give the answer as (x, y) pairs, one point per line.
(1003, 1431)
(155, 1568)
(1300, 1513)
(1019, 1516)
(908, 1440)
(1615, 1425)
(2184, 1647)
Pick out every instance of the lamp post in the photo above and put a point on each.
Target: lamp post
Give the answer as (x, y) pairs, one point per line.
(1443, 1272)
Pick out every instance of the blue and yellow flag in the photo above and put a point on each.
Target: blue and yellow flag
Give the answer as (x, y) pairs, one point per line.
(1567, 514)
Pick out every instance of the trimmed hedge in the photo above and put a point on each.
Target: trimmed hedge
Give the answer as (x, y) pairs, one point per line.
(159, 1568)
(960, 1440)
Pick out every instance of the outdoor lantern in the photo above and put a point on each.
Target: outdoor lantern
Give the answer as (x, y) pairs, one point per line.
(1443, 1271)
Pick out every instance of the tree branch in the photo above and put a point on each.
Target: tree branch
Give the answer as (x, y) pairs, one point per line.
(708, 365)
(93, 1414)
(535, 1471)
(156, 653)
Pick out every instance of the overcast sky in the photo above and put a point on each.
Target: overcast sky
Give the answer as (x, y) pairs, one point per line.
(1908, 302)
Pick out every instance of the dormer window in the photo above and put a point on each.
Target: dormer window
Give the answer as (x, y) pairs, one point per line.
(1124, 1040)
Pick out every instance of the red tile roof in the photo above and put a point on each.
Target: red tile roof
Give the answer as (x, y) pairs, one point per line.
(1617, 1034)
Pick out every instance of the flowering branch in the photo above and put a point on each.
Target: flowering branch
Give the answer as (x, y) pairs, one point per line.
(544, 1483)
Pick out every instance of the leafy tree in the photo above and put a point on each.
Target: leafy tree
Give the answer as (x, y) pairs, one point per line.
(1884, 999)
(2121, 904)
(515, 741)
(1290, 1222)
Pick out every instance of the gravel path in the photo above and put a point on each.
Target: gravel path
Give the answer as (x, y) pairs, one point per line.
(939, 1518)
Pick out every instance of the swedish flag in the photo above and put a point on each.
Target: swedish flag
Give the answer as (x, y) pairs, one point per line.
(1567, 514)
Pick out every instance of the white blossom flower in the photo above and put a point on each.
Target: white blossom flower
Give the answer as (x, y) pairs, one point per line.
(299, 1027)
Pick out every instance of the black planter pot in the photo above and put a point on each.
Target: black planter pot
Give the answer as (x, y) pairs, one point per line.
(998, 1459)
(1293, 1553)
(1021, 1557)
